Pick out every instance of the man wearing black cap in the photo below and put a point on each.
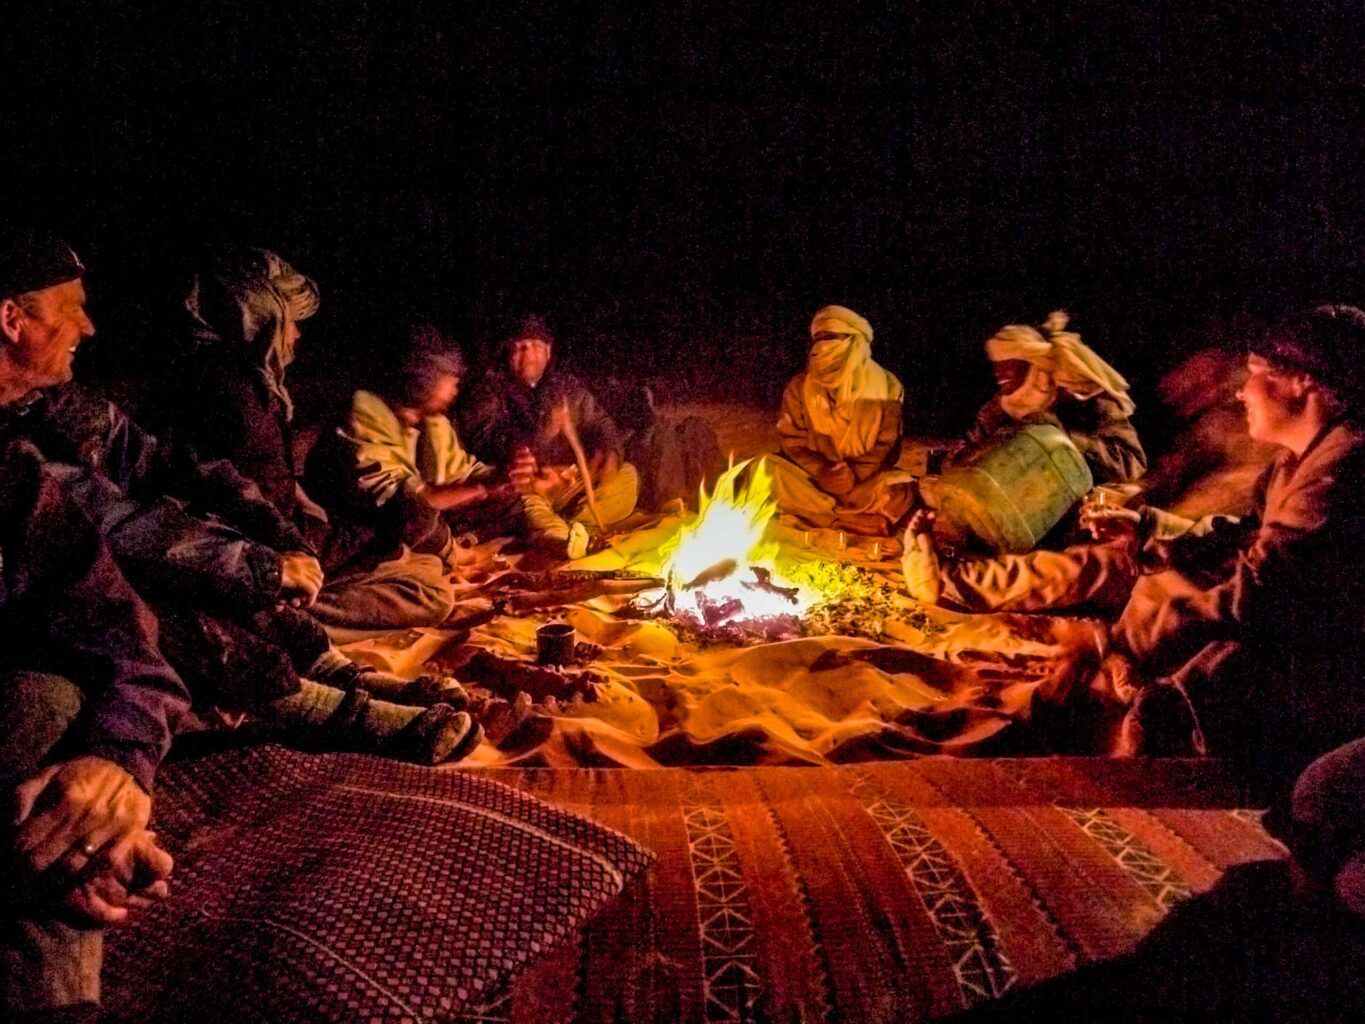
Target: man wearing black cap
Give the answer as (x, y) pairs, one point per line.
(531, 404)
(87, 704)
(1252, 629)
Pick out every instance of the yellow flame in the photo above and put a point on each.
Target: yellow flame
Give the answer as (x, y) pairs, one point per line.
(730, 524)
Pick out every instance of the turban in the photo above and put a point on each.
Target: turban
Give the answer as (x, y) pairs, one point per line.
(1073, 364)
(30, 262)
(845, 321)
(841, 378)
(246, 299)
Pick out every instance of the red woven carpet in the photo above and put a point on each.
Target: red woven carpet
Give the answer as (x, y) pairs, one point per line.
(878, 892)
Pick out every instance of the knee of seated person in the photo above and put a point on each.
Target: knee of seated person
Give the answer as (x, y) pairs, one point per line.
(1330, 789)
(36, 709)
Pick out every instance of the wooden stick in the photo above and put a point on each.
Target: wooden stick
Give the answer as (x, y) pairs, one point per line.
(581, 458)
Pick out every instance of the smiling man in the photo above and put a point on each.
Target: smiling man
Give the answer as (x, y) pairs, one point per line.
(87, 703)
(1248, 633)
(530, 403)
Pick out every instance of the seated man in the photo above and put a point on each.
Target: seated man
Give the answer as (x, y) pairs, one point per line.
(1244, 636)
(220, 589)
(530, 403)
(87, 707)
(233, 404)
(840, 430)
(398, 456)
(1054, 377)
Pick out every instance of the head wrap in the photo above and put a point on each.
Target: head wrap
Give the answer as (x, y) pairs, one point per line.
(245, 299)
(31, 261)
(1074, 365)
(841, 377)
(1326, 343)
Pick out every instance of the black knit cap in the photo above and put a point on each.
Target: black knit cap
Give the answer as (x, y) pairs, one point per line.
(531, 327)
(1325, 342)
(31, 261)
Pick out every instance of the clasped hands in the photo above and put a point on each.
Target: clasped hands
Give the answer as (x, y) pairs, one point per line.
(557, 481)
(837, 479)
(81, 832)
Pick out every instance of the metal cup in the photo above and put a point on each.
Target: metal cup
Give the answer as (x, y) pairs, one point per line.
(555, 643)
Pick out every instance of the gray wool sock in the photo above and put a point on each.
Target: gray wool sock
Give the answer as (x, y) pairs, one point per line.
(315, 703)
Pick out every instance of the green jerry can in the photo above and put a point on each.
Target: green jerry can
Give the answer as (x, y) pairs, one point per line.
(1015, 487)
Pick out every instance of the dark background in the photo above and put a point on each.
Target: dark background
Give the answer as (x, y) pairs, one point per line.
(678, 186)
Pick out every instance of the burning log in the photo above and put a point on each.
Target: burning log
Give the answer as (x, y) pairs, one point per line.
(662, 607)
(721, 570)
(764, 582)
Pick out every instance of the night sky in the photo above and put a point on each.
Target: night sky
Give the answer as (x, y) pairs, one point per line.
(677, 187)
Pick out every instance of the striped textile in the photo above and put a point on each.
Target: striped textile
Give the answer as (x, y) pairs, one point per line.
(874, 892)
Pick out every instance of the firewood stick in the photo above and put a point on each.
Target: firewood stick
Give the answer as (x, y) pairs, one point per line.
(580, 457)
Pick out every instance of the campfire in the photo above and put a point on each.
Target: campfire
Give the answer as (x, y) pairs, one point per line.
(722, 570)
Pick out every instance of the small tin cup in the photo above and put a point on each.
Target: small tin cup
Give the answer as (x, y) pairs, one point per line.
(555, 643)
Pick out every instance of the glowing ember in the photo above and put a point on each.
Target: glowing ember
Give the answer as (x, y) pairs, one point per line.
(720, 565)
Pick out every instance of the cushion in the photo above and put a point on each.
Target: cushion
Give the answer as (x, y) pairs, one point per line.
(343, 887)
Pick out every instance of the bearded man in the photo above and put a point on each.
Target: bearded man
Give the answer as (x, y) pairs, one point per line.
(840, 432)
(530, 404)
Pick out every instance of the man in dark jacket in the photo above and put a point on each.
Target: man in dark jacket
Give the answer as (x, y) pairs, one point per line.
(529, 403)
(87, 704)
(221, 586)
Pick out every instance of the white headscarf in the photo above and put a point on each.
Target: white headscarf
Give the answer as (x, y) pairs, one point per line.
(1074, 365)
(841, 379)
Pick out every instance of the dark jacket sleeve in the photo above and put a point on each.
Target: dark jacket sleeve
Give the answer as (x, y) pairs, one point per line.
(1108, 441)
(68, 599)
(168, 553)
(145, 467)
(230, 420)
(483, 422)
(596, 429)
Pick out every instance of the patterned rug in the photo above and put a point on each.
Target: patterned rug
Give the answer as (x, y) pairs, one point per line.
(340, 888)
(877, 892)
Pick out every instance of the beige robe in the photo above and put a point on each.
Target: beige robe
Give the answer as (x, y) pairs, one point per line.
(805, 453)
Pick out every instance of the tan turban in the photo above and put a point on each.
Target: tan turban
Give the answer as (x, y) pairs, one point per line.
(843, 386)
(248, 298)
(1073, 364)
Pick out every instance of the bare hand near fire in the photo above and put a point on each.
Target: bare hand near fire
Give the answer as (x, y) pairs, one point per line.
(558, 482)
(1109, 522)
(300, 578)
(919, 558)
(522, 471)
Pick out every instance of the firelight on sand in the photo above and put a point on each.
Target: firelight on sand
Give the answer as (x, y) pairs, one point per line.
(716, 552)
